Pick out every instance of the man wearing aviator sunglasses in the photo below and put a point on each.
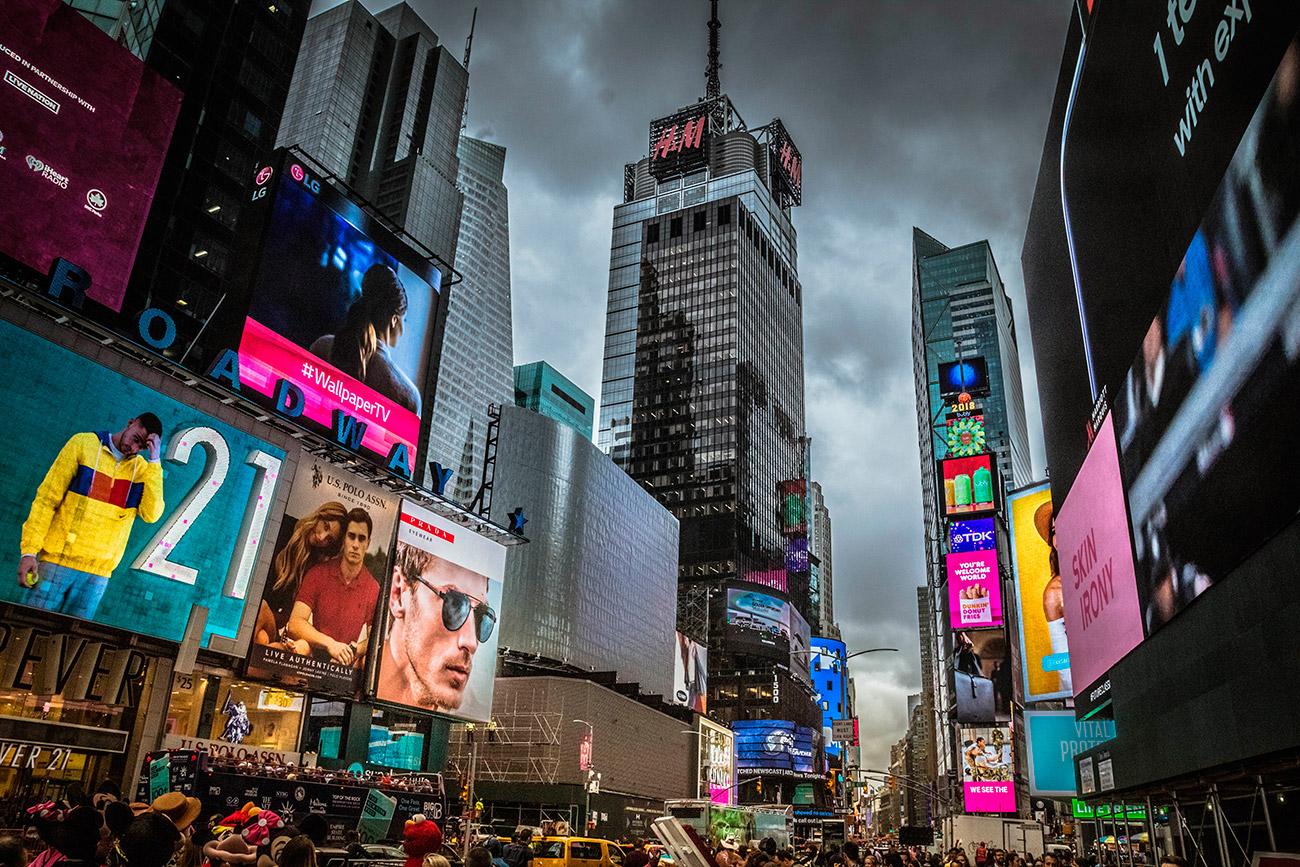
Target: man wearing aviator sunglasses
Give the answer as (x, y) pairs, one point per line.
(437, 617)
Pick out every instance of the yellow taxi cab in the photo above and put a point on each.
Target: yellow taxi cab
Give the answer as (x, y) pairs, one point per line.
(576, 852)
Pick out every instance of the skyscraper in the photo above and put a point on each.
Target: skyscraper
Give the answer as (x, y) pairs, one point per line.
(960, 312)
(376, 100)
(233, 63)
(702, 397)
(477, 365)
(819, 541)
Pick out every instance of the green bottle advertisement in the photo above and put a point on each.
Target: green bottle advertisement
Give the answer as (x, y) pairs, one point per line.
(962, 485)
(983, 485)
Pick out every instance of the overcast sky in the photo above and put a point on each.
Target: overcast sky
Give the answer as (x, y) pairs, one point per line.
(927, 113)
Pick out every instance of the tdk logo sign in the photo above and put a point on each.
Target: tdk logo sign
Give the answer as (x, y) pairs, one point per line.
(974, 535)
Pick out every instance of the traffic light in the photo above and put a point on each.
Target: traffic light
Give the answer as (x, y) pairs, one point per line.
(893, 784)
(760, 787)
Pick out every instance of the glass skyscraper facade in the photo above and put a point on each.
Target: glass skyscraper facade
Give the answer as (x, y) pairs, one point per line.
(376, 100)
(960, 310)
(477, 364)
(702, 397)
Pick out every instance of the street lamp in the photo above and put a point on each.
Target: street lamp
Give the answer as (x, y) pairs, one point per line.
(591, 770)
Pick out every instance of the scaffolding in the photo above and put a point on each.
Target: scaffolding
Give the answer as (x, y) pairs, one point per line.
(524, 748)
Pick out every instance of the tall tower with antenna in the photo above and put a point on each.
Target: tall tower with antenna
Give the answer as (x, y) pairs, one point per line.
(702, 399)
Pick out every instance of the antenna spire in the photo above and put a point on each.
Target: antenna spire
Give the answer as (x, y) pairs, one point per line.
(714, 87)
(469, 43)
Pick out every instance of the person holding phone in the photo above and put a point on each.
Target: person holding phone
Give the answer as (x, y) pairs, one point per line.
(81, 517)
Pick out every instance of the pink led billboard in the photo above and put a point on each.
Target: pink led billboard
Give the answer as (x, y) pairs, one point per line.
(974, 592)
(988, 763)
(1102, 614)
(84, 127)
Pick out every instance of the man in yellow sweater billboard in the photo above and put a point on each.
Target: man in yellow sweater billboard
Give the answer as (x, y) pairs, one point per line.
(81, 517)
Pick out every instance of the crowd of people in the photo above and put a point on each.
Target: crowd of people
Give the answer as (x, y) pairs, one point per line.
(104, 830)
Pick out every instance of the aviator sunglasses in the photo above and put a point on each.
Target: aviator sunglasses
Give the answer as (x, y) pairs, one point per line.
(456, 607)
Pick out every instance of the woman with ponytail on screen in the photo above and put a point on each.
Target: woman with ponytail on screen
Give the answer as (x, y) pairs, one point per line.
(374, 325)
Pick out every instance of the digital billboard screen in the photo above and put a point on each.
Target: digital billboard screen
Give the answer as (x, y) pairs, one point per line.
(974, 589)
(758, 623)
(964, 435)
(1044, 650)
(439, 641)
(969, 486)
(322, 589)
(345, 313)
(84, 127)
(1099, 590)
(690, 675)
(1053, 739)
(800, 641)
(969, 376)
(982, 687)
(717, 772)
(1208, 460)
(988, 766)
(973, 535)
(773, 745)
(126, 507)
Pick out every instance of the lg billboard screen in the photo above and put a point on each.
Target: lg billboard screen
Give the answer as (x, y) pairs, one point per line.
(970, 377)
(84, 127)
(344, 313)
(126, 507)
(439, 636)
(1044, 650)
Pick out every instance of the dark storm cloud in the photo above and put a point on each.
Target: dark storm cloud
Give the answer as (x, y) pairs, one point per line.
(925, 112)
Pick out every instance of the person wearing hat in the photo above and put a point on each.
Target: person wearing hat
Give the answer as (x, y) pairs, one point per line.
(728, 853)
(181, 810)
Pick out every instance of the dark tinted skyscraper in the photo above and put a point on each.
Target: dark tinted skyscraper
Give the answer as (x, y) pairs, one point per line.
(233, 63)
(702, 398)
(378, 101)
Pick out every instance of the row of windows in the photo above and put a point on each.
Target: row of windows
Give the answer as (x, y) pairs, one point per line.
(699, 222)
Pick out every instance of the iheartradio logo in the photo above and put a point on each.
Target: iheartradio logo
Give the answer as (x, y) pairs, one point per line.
(34, 164)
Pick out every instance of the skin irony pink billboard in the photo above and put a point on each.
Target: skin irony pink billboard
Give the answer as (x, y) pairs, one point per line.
(1102, 615)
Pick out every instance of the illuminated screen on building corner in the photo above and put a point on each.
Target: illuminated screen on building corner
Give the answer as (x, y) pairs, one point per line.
(132, 544)
(343, 311)
(1044, 649)
(84, 128)
(969, 486)
(1102, 615)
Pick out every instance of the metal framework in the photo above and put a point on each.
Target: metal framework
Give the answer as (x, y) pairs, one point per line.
(482, 502)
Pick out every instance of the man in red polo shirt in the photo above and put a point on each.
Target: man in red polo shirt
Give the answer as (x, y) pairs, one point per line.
(336, 603)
